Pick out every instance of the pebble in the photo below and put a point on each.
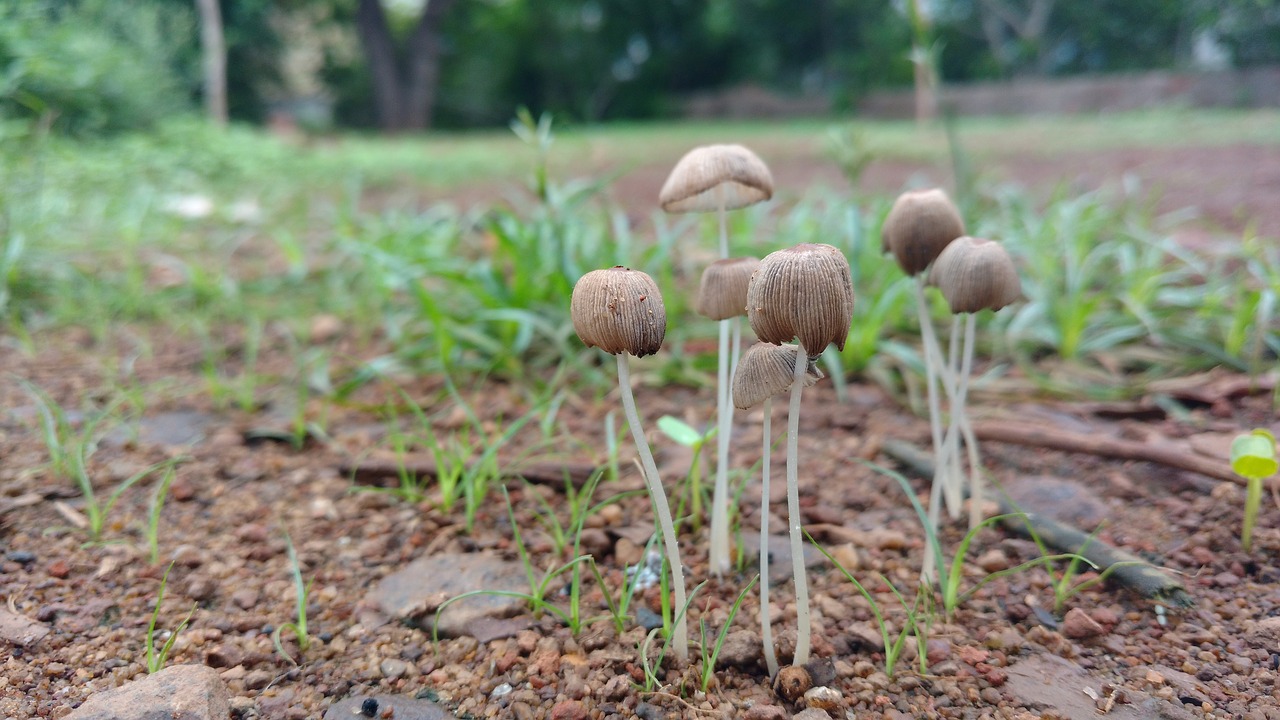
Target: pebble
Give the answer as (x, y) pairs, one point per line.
(245, 598)
(568, 710)
(257, 679)
(1077, 625)
(765, 712)
(59, 569)
(393, 668)
(22, 557)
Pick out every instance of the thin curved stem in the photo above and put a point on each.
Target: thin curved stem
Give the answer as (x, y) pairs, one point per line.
(661, 509)
(932, 367)
(953, 488)
(793, 509)
(766, 627)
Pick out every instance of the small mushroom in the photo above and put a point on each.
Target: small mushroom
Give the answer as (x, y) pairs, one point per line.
(767, 370)
(719, 178)
(722, 294)
(792, 682)
(620, 311)
(919, 226)
(804, 292)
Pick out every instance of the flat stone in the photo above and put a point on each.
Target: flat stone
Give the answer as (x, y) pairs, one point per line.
(780, 569)
(166, 429)
(178, 692)
(21, 630)
(1048, 682)
(399, 707)
(1063, 500)
(408, 593)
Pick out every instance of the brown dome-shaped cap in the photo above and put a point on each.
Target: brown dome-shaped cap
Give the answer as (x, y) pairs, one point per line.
(693, 182)
(975, 274)
(803, 292)
(722, 294)
(766, 370)
(919, 225)
(619, 310)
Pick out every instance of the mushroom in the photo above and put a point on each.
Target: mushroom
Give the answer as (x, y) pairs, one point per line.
(973, 275)
(803, 293)
(919, 226)
(719, 178)
(620, 311)
(765, 371)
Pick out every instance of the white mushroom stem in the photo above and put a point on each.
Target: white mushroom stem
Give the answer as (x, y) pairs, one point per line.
(766, 627)
(960, 423)
(718, 554)
(953, 488)
(933, 364)
(793, 509)
(661, 510)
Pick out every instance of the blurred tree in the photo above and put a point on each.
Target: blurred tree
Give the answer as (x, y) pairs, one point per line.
(404, 82)
(214, 51)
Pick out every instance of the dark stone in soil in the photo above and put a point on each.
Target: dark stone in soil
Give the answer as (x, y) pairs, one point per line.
(395, 706)
(22, 557)
(1063, 500)
(414, 593)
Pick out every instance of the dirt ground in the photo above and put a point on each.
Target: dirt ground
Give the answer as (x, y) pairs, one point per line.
(1006, 652)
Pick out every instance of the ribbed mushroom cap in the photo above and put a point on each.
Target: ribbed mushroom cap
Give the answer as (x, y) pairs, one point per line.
(919, 225)
(805, 293)
(975, 274)
(693, 182)
(766, 370)
(619, 310)
(722, 294)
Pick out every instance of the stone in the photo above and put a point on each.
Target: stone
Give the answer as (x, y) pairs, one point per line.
(1264, 633)
(20, 630)
(393, 668)
(406, 593)
(1077, 625)
(178, 692)
(765, 712)
(568, 710)
(394, 706)
(1051, 684)
(812, 714)
(1063, 500)
(742, 648)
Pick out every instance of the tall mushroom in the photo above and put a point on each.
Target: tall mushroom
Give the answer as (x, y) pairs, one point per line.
(765, 371)
(973, 275)
(919, 226)
(620, 311)
(719, 178)
(803, 293)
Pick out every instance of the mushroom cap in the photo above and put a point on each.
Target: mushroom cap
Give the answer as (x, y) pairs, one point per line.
(766, 370)
(803, 292)
(919, 225)
(619, 310)
(722, 294)
(975, 274)
(743, 177)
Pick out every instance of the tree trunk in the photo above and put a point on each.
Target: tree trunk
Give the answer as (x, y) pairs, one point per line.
(380, 53)
(214, 50)
(423, 66)
(404, 96)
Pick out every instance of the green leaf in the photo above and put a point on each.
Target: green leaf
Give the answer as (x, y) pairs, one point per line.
(1253, 455)
(680, 431)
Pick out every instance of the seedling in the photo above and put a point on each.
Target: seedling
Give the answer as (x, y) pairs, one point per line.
(1253, 457)
(684, 434)
(1063, 584)
(710, 653)
(153, 514)
(298, 627)
(919, 616)
(621, 311)
(720, 178)
(805, 293)
(156, 659)
(650, 668)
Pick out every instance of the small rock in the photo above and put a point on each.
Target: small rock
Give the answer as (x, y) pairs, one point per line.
(393, 668)
(405, 593)
(245, 598)
(823, 698)
(792, 683)
(325, 327)
(568, 710)
(812, 714)
(742, 648)
(1077, 625)
(765, 712)
(994, 560)
(257, 679)
(252, 533)
(22, 557)
(224, 656)
(183, 692)
(59, 569)
(595, 542)
(200, 588)
(1264, 633)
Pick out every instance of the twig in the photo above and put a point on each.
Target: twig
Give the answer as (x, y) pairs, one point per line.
(370, 471)
(677, 698)
(1146, 579)
(1023, 434)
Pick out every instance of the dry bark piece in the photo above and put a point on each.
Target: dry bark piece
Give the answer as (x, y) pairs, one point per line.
(715, 177)
(976, 274)
(722, 294)
(767, 370)
(619, 310)
(804, 292)
(919, 225)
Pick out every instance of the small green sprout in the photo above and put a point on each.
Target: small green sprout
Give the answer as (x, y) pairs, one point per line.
(156, 659)
(684, 434)
(1253, 457)
(299, 625)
